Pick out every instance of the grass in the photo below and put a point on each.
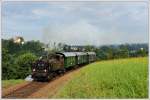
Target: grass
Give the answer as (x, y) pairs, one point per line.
(9, 83)
(124, 78)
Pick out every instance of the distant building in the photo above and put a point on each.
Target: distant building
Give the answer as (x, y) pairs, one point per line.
(18, 40)
(141, 49)
(77, 48)
(74, 48)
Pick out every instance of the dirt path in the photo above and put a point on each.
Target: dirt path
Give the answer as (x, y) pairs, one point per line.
(6, 91)
(39, 89)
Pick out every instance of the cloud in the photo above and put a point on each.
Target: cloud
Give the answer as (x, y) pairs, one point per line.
(42, 13)
(78, 23)
(39, 12)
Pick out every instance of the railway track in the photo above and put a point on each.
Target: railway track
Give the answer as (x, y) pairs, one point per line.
(32, 87)
(26, 90)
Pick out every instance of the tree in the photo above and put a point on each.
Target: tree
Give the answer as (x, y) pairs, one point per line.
(124, 53)
(141, 52)
(13, 52)
(105, 52)
(89, 48)
(24, 61)
(67, 48)
(9, 67)
(11, 46)
(16, 49)
(34, 47)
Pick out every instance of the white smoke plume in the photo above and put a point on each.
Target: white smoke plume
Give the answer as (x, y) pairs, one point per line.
(72, 34)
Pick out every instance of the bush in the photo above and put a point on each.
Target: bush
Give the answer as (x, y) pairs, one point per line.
(9, 67)
(24, 62)
(9, 71)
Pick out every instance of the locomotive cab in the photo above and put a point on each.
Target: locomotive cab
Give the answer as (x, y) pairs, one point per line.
(56, 62)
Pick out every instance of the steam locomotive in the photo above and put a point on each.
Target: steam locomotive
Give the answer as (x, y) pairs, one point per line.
(47, 66)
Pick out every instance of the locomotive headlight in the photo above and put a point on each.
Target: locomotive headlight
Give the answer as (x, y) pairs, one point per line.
(45, 70)
(42, 65)
(33, 70)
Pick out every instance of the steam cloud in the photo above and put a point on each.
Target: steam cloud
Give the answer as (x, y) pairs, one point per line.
(72, 34)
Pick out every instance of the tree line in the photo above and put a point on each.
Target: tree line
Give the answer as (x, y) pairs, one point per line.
(17, 58)
(106, 52)
(121, 51)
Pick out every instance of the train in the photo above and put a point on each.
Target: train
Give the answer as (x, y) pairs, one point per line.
(48, 66)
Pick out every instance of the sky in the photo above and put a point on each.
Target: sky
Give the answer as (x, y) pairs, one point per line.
(76, 23)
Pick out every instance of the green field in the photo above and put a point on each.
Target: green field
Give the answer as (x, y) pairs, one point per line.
(9, 83)
(124, 78)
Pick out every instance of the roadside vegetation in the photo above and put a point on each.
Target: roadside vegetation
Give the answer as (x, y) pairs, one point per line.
(12, 82)
(17, 58)
(122, 78)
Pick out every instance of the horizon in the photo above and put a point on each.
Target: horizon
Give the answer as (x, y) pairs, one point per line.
(147, 43)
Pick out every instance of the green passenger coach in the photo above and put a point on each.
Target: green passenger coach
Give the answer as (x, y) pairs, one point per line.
(81, 57)
(91, 56)
(69, 59)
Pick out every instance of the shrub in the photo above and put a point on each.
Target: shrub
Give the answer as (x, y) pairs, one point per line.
(24, 62)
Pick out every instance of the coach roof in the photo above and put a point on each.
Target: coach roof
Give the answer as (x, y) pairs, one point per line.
(91, 53)
(67, 54)
(80, 53)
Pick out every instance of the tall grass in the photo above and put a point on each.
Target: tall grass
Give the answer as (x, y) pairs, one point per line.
(124, 78)
(12, 82)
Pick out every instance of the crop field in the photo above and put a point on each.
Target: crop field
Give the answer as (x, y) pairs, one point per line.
(124, 78)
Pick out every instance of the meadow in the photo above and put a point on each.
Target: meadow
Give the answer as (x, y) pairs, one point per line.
(122, 78)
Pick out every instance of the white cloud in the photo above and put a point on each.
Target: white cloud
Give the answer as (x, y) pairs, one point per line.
(43, 12)
(81, 23)
(39, 11)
